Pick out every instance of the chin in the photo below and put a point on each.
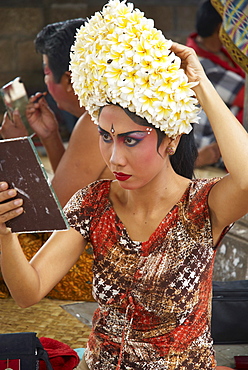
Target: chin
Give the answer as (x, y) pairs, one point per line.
(130, 186)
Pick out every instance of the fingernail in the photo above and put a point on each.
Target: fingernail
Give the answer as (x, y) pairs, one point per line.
(19, 210)
(11, 192)
(17, 202)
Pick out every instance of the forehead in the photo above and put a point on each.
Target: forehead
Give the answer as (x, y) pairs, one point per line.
(45, 59)
(46, 62)
(116, 116)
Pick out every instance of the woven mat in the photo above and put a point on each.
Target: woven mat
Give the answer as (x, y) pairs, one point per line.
(47, 318)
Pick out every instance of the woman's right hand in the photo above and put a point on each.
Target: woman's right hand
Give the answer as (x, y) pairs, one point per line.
(9, 207)
(189, 62)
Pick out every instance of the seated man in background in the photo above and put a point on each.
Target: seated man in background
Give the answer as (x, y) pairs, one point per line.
(226, 76)
(81, 163)
(74, 167)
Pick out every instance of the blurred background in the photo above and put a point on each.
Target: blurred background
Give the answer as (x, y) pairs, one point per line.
(21, 20)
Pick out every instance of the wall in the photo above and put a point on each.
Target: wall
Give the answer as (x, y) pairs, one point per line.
(21, 20)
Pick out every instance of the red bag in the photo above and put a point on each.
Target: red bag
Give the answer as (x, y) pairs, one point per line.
(241, 362)
(60, 355)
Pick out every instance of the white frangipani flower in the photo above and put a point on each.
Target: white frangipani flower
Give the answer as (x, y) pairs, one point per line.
(119, 57)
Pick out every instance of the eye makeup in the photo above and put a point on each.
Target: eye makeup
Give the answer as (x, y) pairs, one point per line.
(130, 138)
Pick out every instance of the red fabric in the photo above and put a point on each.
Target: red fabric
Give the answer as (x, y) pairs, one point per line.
(60, 355)
(239, 102)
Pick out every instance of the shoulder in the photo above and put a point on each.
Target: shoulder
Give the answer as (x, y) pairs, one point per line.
(84, 132)
(199, 190)
(85, 123)
(202, 185)
(86, 204)
(97, 189)
(194, 209)
(92, 192)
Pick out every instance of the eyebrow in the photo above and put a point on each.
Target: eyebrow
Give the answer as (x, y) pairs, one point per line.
(124, 133)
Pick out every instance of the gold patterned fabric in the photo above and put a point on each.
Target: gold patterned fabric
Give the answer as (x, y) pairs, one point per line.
(76, 285)
(234, 30)
(155, 296)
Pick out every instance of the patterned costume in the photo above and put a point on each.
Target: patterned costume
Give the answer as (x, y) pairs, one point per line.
(155, 296)
(228, 81)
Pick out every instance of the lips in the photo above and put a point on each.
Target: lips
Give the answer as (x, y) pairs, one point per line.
(121, 176)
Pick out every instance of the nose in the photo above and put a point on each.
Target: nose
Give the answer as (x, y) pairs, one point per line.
(117, 157)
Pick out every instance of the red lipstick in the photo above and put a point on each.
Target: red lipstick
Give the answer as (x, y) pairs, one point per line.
(121, 176)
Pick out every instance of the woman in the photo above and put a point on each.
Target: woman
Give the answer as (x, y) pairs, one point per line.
(154, 232)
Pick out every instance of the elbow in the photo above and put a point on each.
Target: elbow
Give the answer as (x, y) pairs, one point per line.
(243, 185)
(25, 304)
(22, 304)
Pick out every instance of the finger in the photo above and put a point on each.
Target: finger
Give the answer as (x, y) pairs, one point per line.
(179, 48)
(16, 117)
(7, 204)
(10, 210)
(36, 96)
(3, 185)
(6, 119)
(6, 195)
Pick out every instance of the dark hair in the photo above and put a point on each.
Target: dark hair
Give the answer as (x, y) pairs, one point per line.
(207, 19)
(55, 40)
(183, 160)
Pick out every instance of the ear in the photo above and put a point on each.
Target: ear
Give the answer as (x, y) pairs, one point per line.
(177, 139)
(66, 81)
(172, 145)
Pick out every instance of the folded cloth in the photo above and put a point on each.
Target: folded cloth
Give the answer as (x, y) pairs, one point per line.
(60, 355)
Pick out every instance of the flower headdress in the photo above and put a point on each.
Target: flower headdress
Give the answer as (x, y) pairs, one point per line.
(119, 57)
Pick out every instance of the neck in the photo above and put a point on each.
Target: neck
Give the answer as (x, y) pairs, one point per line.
(163, 189)
(142, 210)
(211, 44)
(78, 112)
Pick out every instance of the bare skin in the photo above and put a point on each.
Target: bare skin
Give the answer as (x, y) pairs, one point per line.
(81, 163)
(137, 199)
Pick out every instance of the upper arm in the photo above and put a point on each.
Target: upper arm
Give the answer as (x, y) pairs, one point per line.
(227, 203)
(56, 257)
(82, 162)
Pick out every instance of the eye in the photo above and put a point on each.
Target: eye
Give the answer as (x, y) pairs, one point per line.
(130, 141)
(105, 136)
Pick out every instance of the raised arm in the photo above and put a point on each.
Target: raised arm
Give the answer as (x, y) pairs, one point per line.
(44, 123)
(228, 199)
(30, 282)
